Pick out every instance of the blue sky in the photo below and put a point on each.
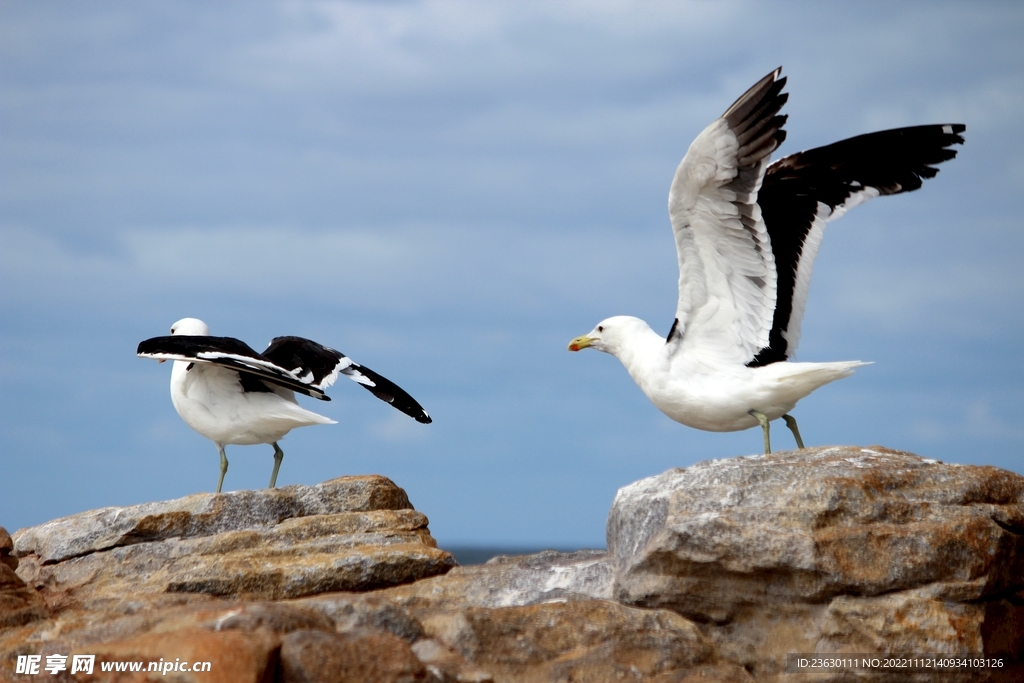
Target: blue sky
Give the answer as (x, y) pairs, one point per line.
(450, 191)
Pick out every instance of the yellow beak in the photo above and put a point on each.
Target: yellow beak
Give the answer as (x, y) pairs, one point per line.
(581, 343)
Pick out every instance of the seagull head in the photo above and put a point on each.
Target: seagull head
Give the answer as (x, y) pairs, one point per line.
(191, 327)
(610, 334)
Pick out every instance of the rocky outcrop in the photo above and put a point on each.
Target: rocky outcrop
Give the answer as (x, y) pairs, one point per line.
(544, 617)
(436, 630)
(714, 573)
(352, 533)
(835, 550)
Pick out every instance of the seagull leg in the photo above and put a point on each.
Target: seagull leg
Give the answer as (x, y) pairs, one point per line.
(791, 423)
(223, 467)
(278, 457)
(763, 419)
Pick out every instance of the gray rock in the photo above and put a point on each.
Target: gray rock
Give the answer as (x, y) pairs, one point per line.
(352, 533)
(516, 581)
(203, 514)
(825, 550)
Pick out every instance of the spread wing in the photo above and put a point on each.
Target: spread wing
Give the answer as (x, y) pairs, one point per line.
(727, 273)
(320, 365)
(803, 191)
(230, 353)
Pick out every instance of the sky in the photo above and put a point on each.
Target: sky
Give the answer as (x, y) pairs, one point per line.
(448, 192)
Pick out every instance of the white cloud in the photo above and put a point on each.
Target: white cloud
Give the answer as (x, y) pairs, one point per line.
(417, 268)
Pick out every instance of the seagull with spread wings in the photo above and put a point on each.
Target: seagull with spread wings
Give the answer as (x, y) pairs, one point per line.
(231, 394)
(747, 233)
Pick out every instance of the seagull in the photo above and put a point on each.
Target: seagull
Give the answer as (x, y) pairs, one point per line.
(746, 234)
(231, 394)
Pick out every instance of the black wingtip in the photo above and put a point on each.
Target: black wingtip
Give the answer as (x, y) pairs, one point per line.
(391, 393)
(766, 89)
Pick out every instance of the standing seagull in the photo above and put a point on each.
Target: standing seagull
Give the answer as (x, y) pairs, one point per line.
(231, 394)
(746, 236)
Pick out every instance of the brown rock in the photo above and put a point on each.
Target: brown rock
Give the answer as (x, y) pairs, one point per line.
(446, 666)
(353, 611)
(543, 618)
(592, 640)
(275, 617)
(364, 656)
(6, 548)
(303, 571)
(19, 604)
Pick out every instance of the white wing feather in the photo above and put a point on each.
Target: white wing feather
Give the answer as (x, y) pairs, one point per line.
(727, 280)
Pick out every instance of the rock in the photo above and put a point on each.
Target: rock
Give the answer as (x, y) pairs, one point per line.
(546, 617)
(516, 581)
(204, 515)
(19, 604)
(351, 533)
(586, 640)
(503, 582)
(828, 550)
(233, 656)
(348, 611)
(364, 656)
(534, 618)
(275, 617)
(6, 546)
(446, 666)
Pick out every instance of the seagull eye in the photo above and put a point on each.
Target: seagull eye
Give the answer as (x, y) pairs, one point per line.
(600, 328)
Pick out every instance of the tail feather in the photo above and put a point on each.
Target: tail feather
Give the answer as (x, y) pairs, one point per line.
(817, 374)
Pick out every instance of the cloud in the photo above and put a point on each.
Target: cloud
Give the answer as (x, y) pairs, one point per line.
(423, 268)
